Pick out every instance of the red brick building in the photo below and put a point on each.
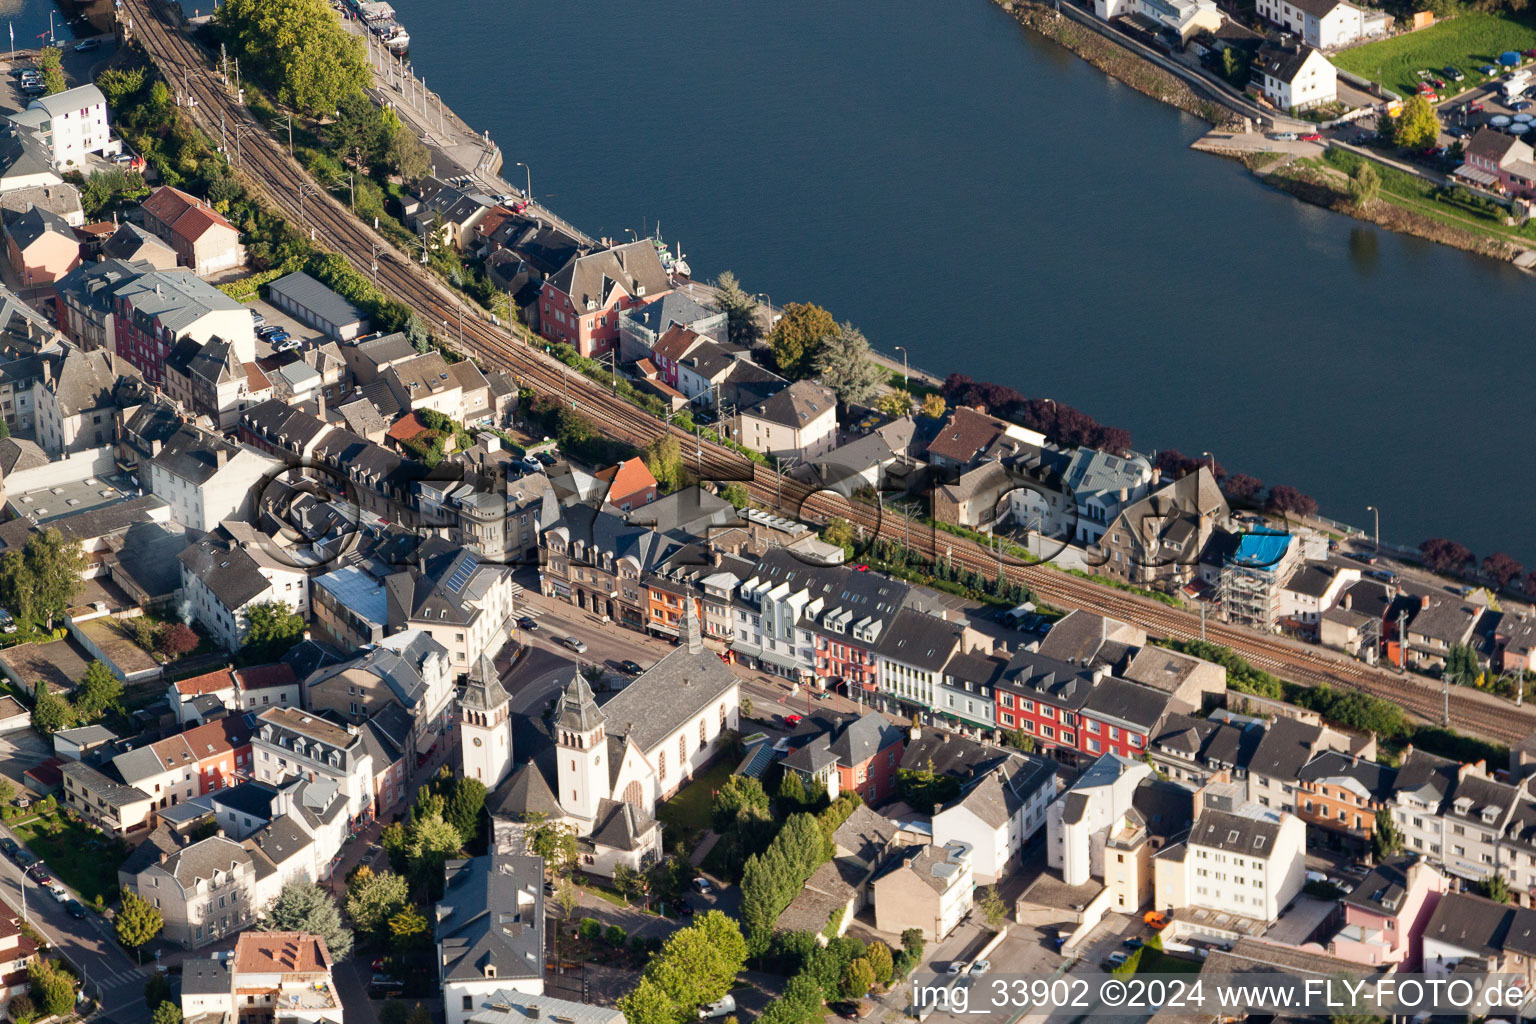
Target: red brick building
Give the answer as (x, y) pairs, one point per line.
(1074, 712)
(580, 303)
(859, 754)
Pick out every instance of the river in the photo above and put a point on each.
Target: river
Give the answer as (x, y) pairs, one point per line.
(951, 183)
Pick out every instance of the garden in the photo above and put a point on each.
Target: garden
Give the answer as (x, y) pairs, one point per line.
(76, 854)
(1466, 41)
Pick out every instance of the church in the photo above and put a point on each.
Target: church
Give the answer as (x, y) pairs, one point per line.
(613, 763)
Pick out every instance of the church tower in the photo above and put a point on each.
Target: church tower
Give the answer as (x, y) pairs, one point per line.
(485, 726)
(581, 741)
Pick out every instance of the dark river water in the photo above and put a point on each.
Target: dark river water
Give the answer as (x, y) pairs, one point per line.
(950, 183)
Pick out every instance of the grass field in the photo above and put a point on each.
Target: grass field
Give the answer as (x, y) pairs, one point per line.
(78, 856)
(1466, 41)
(1460, 209)
(687, 813)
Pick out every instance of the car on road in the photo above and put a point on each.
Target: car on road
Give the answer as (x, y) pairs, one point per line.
(631, 667)
(39, 874)
(85, 46)
(1284, 136)
(1115, 959)
(792, 720)
(1384, 575)
(574, 644)
(703, 886)
(980, 967)
(851, 1009)
(1312, 137)
(10, 847)
(1133, 943)
(26, 858)
(76, 908)
(725, 1005)
(1458, 133)
(682, 908)
(958, 966)
(528, 622)
(58, 892)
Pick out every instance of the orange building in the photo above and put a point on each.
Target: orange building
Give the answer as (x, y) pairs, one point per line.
(1342, 794)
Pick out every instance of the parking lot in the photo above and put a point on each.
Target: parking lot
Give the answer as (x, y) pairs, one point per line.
(307, 337)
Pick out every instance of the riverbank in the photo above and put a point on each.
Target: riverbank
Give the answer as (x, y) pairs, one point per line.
(1115, 60)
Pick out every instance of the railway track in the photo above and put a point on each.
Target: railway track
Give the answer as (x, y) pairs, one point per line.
(285, 184)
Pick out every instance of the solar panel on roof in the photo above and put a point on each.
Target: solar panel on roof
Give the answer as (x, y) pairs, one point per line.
(462, 574)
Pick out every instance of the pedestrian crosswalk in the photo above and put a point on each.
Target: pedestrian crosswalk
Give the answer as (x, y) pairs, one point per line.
(122, 979)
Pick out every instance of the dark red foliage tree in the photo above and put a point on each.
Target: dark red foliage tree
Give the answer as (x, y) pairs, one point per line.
(1501, 568)
(1443, 555)
(1242, 488)
(178, 639)
(1289, 500)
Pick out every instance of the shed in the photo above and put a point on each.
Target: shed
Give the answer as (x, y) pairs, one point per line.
(13, 715)
(312, 303)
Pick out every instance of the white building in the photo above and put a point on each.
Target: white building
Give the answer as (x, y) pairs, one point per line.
(489, 931)
(998, 814)
(206, 479)
(282, 976)
(1294, 76)
(485, 729)
(1081, 821)
(910, 657)
(1240, 860)
(71, 124)
(799, 421)
(223, 577)
(1325, 24)
(289, 742)
(463, 603)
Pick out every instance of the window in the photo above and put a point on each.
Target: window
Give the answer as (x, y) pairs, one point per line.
(469, 1002)
(661, 765)
(701, 733)
(682, 751)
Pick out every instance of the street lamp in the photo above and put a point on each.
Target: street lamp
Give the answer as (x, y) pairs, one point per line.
(1208, 455)
(529, 172)
(904, 386)
(767, 305)
(1376, 513)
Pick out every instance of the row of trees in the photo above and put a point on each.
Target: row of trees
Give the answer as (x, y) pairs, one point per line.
(845, 968)
(97, 693)
(299, 48)
(1453, 559)
(772, 879)
(445, 817)
(1239, 488)
(1057, 421)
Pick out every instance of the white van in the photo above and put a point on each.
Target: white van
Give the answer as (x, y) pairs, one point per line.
(726, 1005)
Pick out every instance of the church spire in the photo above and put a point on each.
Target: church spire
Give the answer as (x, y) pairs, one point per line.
(691, 636)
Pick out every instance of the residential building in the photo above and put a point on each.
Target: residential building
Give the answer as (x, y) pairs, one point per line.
(630, 484)
(464, 604)
(1081, 822)
(1156, 542)
(40, 246)
(1294, 76)
(998, 814)
(205, 892)
(62, 201)
(25, 162)
(75, 398)
(928, 887)
(489, 931)
(1240, 866)
(132, 244)
(967, 691)
(408, 669)
(910, 658)
(233, 691)
(86, 310)
(210, 379)
(1160, 813)
(71, 125)
(841, 754)
(1386, 913)
(1438, 622)
(289, 742)
(1072, 711)
(1190, 751)
(115, 808)
(798, 421)
(156, 309)
(447, 213)
(1253, 578)
(581, 303)
(1325, 24)
(1501, 162)
(969, 437)
(1467, 927)
(1190, 682)
(1101, 485)
(204, 241)
(179, 768)
(273, 976)
(1342, 795)
(223, 578)
(641, 325)
(509, 1006)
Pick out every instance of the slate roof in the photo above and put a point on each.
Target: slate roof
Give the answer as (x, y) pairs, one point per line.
(202, 860)
(18, 454)
(865, 834)
(925, 642)
(1284, 62)
(1445, 618)
(102, 787)
(1286, 747)
(847, 742)
(1377, 780)
(1126, 702)
(674, 690)
(929, 863)
(23, 154)
(527, 792)
(177, 299)
(131, 242)
(205, 976)
(491, 915)
(951, 755)
(1383, 889)
(193, 454)
(233, 576)
(965, 435)
(484, 691)
(27, 227)
(997, 797)
(1311, 580)
(307, 293)
(443, 587)
(621, 825)
(796, 405)
(635, 268)
(1235, 833)
(1421, 770)
(1470, 922)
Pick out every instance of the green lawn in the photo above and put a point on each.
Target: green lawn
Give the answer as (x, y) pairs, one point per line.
(1154, 961)
(688, 811)
(79, 856)
(1466, 41)
(1459, 208)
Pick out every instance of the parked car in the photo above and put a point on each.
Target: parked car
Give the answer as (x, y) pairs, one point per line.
(1133, 943)
(1115, 960)
(851, 1009)
(703, 886)
(792, 720)
(58, 892)
(76, 909)
(574, 644)
(85, 46)
(267, 330)
(1519, 106)
(528, 622)
(682, 908)
(724, 1006)
(26, 858)
(8, 845)
(1312, 137)
(546, 459)
(1283, 136)
(277, 338)
(1458, 133)
(1488, 69)
(7, 622)
(980, 967)
(631, 667)
(958, 966)
(1454, 73)
(531, 464)
(39, 874)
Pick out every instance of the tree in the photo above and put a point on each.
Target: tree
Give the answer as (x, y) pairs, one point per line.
(407, 928)
(463, 804)
(138, 921)
(178, 639)
(1242, 488)
(157, 990)
(648, 1004)
(99, 692)
(1290, 501)
(372, 899)
(839, 532)
(895, 403)
(664, 458)
(110, 188)
(39, 582)
(166, 1013)
(1501, 568)
(697, 965)
(430, 842)
(143, 632)
(992, 907)
(410, 159)
(912, 942)
(394, 1011)
(743, 320)
(1386, 840)
(1495, 887)
(1235, 66)
(798, 337)
(1445, 556)
(299, 48)
(736, 494)
(53, 75)
(1417, 125)
(881, 961)
(556, 843)
(567, 899)
(627, 881)
(1461, 665)
(50, 712)
(359, 131)
(858, 979)
(933, 405)
(746, 706)
(305, 907)
(844, 364)
(791, 789)
(1364, 184)
(53, 987)
(271, 628)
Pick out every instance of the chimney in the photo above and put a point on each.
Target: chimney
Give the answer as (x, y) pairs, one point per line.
(915, 733)
(220, 456)
(1099, 673)
(937, 808)
(219, 833)
(1349, 600)
(1423, 600)
(321, 400)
